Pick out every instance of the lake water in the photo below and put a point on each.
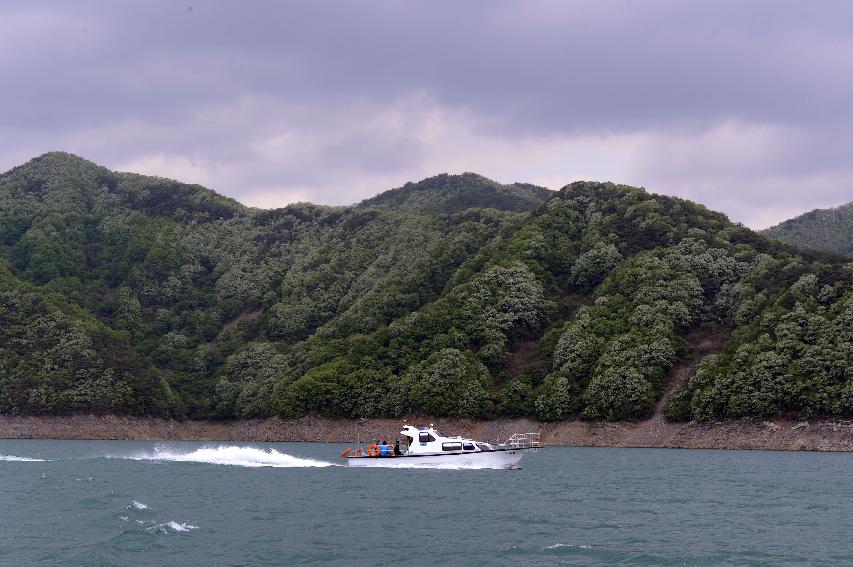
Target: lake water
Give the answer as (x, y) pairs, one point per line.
(101, 503)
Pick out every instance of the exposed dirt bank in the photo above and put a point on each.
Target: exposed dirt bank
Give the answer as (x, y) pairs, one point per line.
(816, 435)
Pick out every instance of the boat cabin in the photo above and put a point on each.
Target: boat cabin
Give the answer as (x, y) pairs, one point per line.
(428, 441)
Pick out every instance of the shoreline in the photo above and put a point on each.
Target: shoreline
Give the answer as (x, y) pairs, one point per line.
(773, 435)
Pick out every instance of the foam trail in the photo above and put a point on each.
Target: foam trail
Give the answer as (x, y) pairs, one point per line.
(138, 505)
(20, 459)
(232, 455)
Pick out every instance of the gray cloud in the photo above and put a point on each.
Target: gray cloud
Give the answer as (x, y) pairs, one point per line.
(741, 106)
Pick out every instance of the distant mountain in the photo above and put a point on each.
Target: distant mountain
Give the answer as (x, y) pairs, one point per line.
(453, 193)
(820, 229)
(455, 296)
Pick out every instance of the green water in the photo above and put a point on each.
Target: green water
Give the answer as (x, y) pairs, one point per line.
(136, 503)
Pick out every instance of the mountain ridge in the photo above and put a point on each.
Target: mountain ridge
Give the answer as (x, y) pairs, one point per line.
(406, 306)
(446, 193)
(524, 196)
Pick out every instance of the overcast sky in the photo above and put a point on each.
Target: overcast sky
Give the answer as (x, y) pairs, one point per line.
(744, 107)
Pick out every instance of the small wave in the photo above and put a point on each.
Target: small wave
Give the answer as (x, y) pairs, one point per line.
(180, 527)
(171, 525)
(138, 505)
(559, 545)
(20, 459)
(232, 455)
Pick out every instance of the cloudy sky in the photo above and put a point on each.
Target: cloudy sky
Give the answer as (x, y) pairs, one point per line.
(746, 107)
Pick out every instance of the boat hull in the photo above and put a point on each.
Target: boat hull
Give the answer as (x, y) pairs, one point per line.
(481, 460)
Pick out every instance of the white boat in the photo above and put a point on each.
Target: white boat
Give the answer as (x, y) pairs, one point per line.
(426, 447)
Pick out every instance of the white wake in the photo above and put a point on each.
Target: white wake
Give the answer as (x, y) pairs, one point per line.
(20, 459)
(231, 455)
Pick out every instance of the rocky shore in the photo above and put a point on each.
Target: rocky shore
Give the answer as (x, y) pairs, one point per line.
(777, 434)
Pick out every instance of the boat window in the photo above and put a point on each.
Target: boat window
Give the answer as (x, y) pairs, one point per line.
(426, 437)
(484, 447)
(468, 446)
(451, 446)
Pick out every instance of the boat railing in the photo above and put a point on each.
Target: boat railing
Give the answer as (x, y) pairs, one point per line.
(524, 441)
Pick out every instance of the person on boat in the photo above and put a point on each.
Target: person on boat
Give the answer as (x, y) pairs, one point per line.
(385, 449)
(397, 451)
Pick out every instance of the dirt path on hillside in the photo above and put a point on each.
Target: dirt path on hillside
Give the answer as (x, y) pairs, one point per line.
(656, 431)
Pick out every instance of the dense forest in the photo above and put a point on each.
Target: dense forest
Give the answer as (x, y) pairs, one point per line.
(455, 296)
(820, 229)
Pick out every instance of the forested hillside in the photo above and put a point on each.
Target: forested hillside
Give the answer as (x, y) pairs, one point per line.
(820, 229)
(455, 296)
